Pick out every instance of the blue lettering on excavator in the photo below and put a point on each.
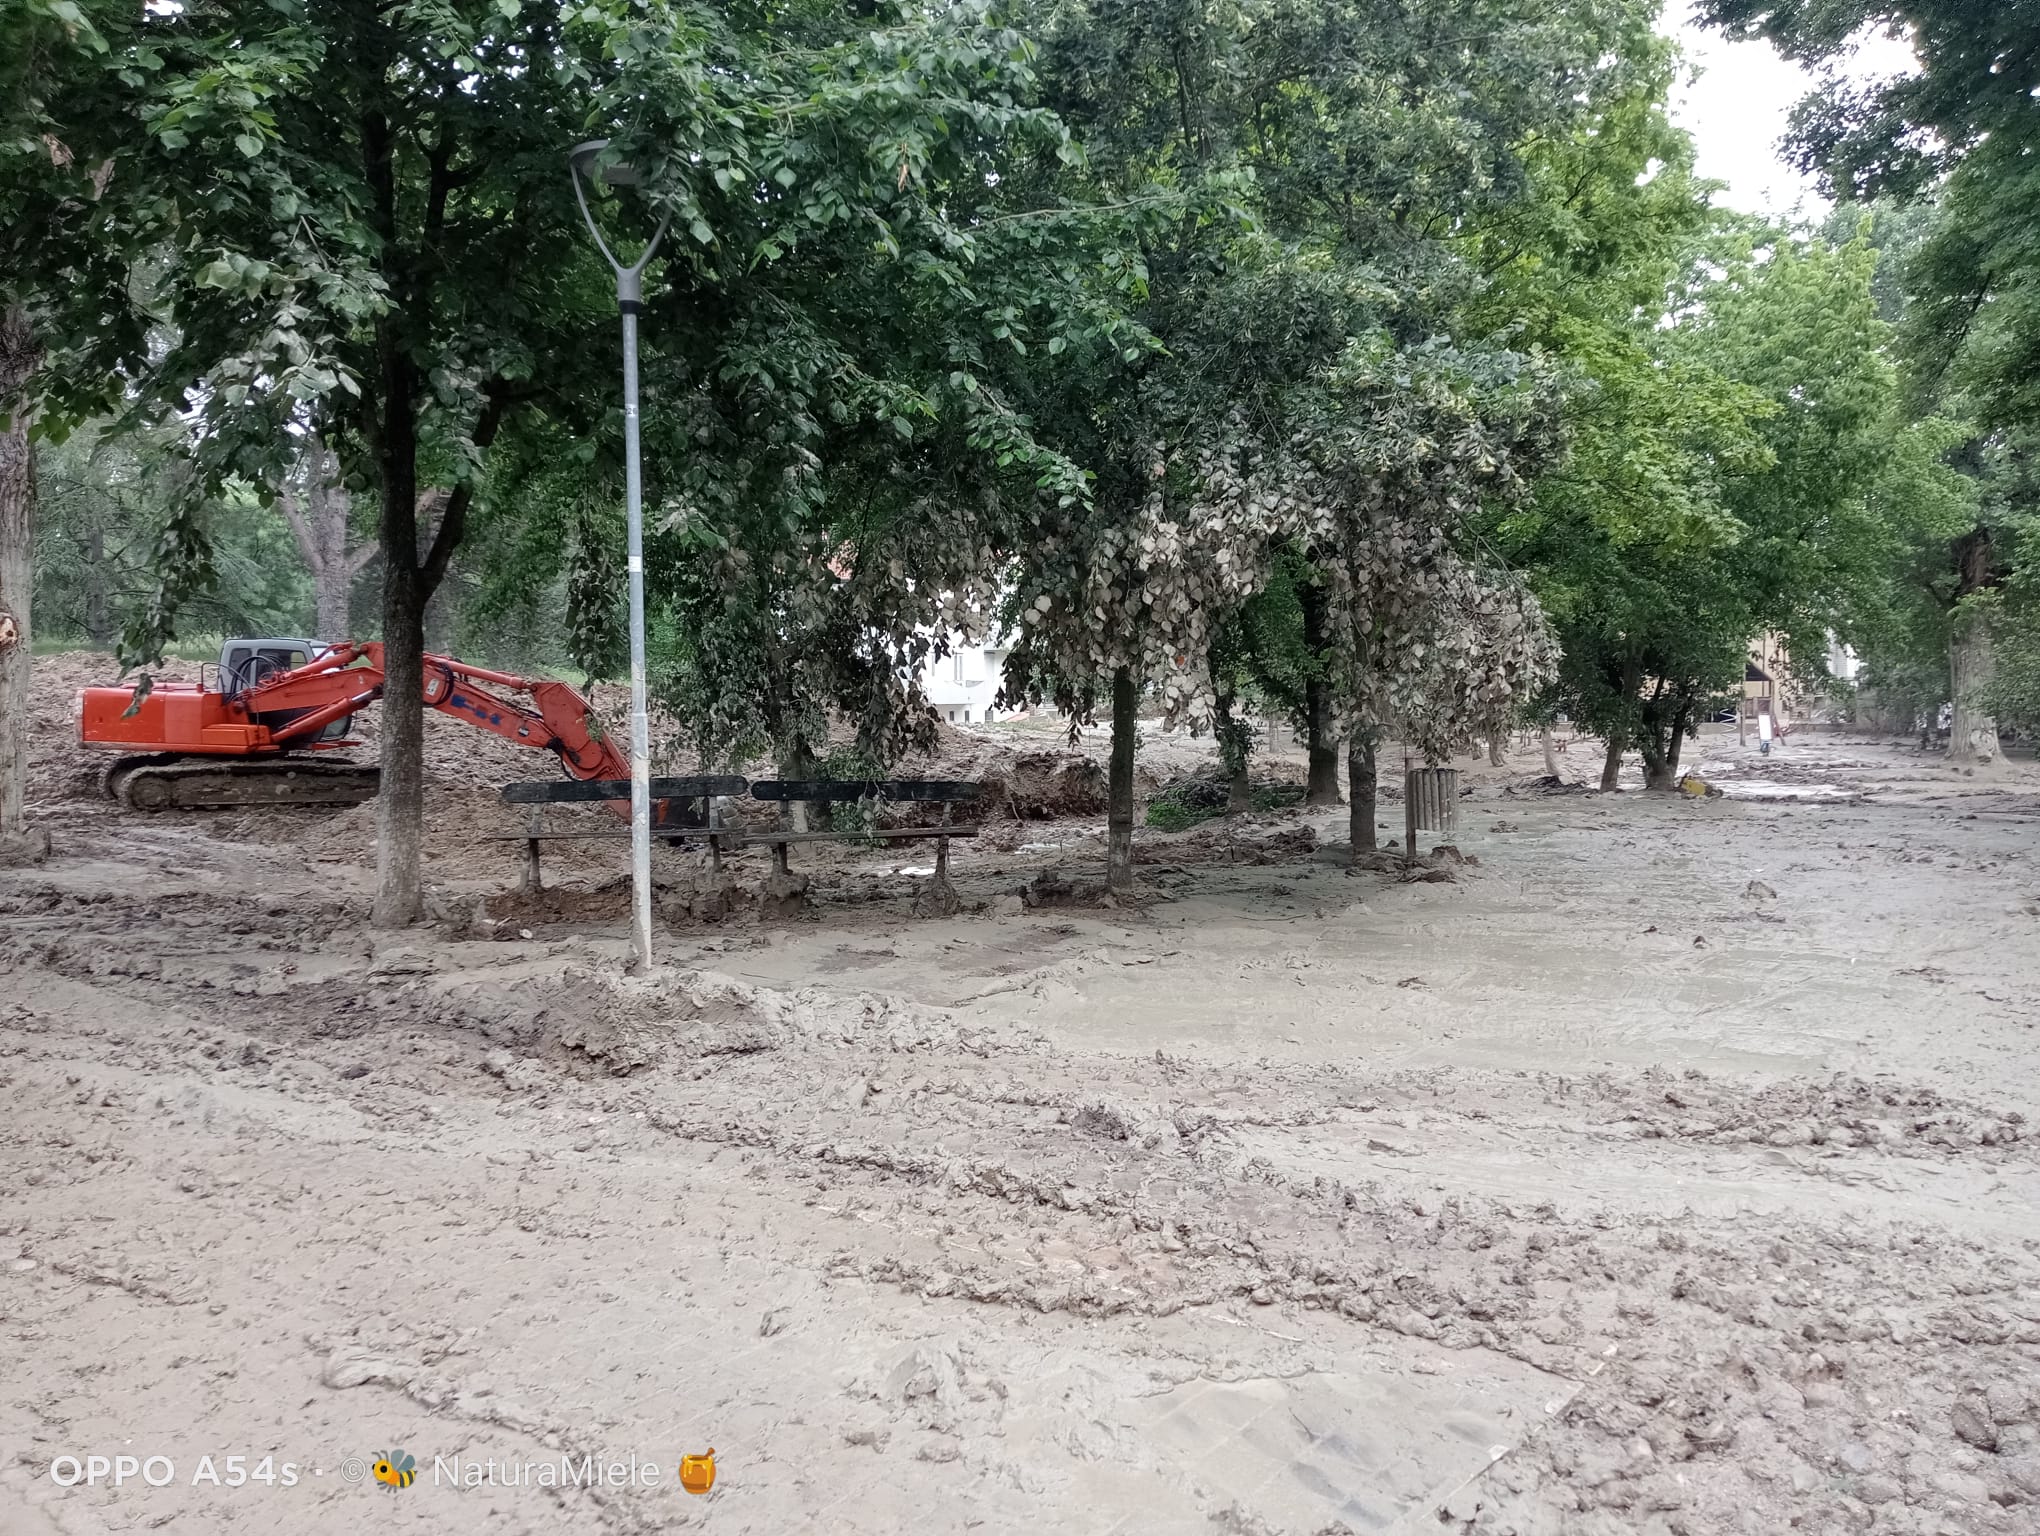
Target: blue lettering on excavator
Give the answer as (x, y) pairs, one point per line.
(478, 710)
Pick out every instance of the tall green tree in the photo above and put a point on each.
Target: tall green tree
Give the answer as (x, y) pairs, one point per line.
(19, 356)
(1732, 410)
(364, 213)
(1591, 265)
(1960, 131)
(103, 501)
(1354, 142)
(51, 45)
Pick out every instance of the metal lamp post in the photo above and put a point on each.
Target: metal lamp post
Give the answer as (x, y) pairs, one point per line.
(582, 163)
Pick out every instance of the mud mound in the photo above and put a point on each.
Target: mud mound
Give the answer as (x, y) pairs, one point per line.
(1045, 786)
(1052, 888)
(463, 827)
(1843, 1111)
(676, 1020)
(605, 903)
(1243, 841)
(1022, 782)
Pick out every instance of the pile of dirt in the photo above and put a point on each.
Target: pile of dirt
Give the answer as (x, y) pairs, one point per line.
(456, 822)
(457, 755)
(605, 903)
(1232, 840)
(1024, 781)
(1045, 786)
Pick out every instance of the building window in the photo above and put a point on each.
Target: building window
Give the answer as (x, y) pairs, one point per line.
(958, 659)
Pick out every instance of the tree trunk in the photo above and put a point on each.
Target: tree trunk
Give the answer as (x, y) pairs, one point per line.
(19, 356)
(334, 575)
(1972, 663)
(400, 808)
(1972, 659)
(409, 578)
(1239, 792)
(1659, 741)
(1232, 738)
(334, 585)
(1496, 756)
(1119, 804)
(1550, 751)
(1677, 745)
(806, 815)
(1612, 767)
(1360, 788)
(1627, 680)
(1650, 745)
(1323, 785)
(318, 520)
(98, 624)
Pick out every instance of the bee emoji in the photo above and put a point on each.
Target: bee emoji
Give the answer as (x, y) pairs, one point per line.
(394, 1469)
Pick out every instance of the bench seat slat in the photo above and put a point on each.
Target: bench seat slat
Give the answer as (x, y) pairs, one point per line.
(574, 791)
(732, 837)
(858, 789)
(960, 829)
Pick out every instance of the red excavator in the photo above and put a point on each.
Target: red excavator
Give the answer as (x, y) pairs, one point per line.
(258, 733)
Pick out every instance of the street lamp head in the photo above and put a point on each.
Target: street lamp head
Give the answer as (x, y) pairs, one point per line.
(616, 174)
(584, 164)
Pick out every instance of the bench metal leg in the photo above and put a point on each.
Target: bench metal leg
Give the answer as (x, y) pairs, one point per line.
(779, 857)
(938, 897)
(532, 881)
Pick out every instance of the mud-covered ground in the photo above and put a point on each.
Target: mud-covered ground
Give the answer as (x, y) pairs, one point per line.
(1672, 1168)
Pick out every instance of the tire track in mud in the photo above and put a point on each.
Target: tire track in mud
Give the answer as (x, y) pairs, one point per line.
(1749, 1360)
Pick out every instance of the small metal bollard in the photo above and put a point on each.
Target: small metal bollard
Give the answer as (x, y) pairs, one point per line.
(1430, 803)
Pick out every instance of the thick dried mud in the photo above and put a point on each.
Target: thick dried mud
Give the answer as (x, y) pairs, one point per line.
(1672, 1169)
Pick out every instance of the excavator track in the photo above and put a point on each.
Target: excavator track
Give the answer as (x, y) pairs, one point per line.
(169, 782)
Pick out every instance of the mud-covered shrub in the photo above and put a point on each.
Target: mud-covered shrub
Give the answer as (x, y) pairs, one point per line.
(1185, 802)
(854, 818)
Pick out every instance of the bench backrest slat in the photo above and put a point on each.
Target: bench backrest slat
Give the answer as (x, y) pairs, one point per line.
(569, 791)
(859, 789)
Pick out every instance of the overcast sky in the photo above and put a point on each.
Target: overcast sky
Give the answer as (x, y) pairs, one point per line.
(1737, 112)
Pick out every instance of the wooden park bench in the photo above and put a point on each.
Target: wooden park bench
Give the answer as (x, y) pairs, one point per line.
(539, 794)
(943, 792)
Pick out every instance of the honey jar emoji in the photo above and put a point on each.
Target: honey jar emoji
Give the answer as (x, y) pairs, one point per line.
(697, 1473)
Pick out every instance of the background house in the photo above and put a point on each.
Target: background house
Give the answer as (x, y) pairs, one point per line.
(1772, 687)
(963, 684)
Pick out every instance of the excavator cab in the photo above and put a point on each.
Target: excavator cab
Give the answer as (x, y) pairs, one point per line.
(248, 663)
(245, 663)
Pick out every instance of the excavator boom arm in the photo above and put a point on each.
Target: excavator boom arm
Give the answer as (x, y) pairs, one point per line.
(562, 723)
(559, 719)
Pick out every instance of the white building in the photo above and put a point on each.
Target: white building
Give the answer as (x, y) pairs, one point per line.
(963, 684)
